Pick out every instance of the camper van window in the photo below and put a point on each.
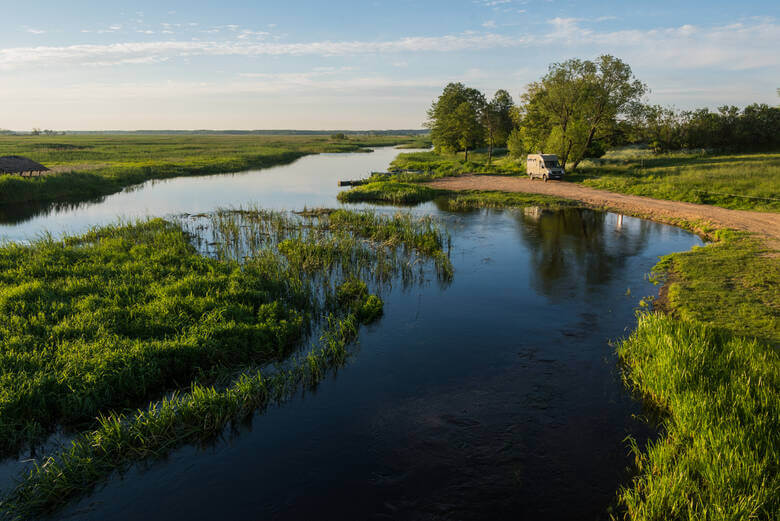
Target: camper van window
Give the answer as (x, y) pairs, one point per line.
(551, 164)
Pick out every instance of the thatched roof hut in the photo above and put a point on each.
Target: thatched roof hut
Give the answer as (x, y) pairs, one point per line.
(19, 165)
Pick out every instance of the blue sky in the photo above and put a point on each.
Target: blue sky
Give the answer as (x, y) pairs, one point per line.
(355, 65)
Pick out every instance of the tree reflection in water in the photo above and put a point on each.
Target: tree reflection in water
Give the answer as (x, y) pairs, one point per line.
(576, 246)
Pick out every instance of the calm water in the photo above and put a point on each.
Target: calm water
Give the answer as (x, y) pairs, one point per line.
(498, 397)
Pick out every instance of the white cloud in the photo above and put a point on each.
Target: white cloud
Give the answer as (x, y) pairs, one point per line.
(35, 31)
(732, 47)
(490, 24)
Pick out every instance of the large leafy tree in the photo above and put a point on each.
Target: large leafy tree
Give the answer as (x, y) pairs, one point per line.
(455, 119)
(576, 103)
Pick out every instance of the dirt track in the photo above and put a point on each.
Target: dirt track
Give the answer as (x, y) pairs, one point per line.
(762, 223)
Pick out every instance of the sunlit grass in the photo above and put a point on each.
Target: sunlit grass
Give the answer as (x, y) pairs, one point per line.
(711, 366)
(738, 181)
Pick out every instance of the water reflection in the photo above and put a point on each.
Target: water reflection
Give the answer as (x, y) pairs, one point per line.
(578, 244)
(21, 212)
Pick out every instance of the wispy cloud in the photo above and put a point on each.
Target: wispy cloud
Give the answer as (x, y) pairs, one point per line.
(733, 47)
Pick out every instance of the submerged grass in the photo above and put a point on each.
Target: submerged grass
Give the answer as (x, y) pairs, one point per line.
(711, 366)
(127, 313)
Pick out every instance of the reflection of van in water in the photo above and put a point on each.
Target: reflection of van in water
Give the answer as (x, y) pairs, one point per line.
(544, 166)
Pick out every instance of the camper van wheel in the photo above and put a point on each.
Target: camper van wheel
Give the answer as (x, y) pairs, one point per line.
(545, 178)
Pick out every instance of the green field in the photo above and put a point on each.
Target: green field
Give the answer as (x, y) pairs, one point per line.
(737, 181)
(94, 165)
(166, 319)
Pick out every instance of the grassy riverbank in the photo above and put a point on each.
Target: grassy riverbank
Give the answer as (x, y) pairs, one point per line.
(95, 165)
(165, 318)
(711, 367)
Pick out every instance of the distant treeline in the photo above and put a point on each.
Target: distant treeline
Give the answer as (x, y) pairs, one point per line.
(756, 127)
(580, 108)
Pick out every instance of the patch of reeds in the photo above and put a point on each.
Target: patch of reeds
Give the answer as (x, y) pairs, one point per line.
(719, 455)
(124, 314)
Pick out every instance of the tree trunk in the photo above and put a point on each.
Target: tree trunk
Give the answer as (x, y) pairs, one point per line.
(587, 144)
(490, 147)
(466, 154)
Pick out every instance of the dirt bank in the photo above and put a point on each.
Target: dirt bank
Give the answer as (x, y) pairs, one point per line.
(762, 223)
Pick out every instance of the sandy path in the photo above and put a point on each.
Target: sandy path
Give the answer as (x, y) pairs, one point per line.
(765, 224)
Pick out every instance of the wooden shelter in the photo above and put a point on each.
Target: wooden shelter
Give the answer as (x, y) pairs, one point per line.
(21, 166)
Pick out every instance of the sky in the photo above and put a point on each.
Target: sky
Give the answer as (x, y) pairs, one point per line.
(290, 64)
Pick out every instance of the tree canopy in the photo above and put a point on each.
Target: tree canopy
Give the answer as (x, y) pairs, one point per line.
(576, 103)
(455, 119)
(581, 107)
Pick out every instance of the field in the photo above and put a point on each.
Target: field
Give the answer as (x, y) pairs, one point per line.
(169, 321)
(88, 166)
(736, 181)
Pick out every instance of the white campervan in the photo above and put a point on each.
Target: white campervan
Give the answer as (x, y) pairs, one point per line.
(544, 166)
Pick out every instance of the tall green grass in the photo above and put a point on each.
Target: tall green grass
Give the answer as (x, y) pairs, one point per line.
(719, 454)
(711, 367)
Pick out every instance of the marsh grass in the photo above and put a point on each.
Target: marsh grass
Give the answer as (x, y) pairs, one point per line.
(718, 456)
(128, 313)
(711, 365)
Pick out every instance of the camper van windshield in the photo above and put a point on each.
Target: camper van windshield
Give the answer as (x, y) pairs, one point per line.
(551, 163)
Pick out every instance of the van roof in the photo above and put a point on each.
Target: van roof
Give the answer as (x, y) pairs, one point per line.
(545, 156)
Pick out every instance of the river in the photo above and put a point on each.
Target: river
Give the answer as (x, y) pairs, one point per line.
(496, 397)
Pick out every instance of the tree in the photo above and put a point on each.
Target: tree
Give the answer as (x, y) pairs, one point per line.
(578, 102)
(469, 130)
(497, 120)
(452, 123)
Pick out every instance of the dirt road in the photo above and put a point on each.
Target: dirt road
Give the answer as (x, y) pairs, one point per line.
(762, 223)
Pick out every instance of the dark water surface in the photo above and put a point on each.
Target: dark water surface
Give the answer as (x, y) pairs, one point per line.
(497, 397)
